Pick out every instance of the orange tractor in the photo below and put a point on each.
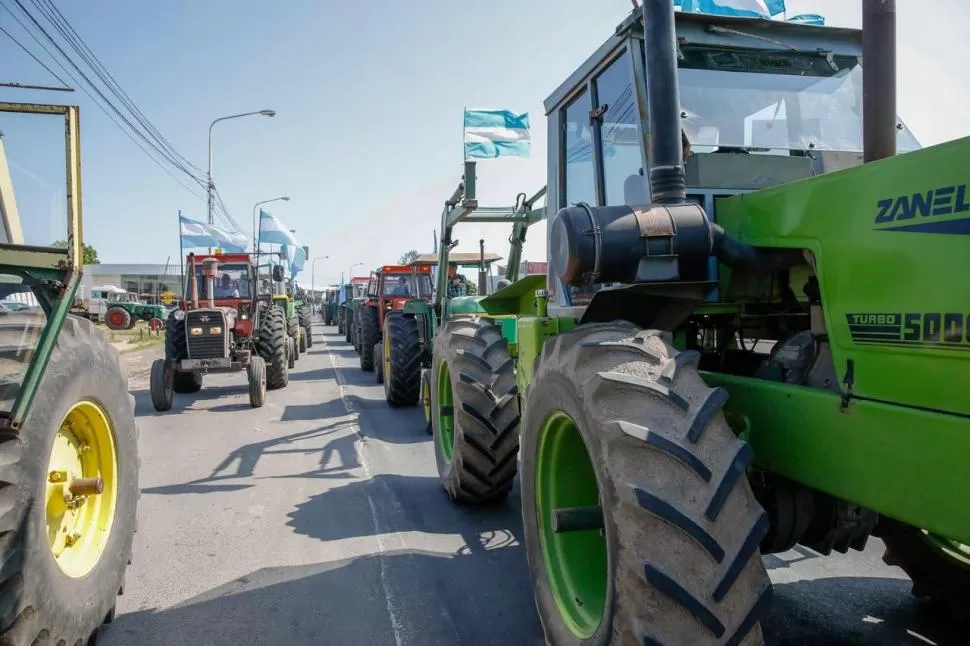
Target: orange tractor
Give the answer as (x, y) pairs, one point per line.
(390, 289)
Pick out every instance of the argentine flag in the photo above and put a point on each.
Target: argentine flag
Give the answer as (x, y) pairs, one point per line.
(744, 8)
(273, 231)
(496, 133)
(196, 234)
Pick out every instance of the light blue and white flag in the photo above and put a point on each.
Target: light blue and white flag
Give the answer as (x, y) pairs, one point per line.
(808, 19)
(744, 8)
(198, 234)
(273, 231)
(496, 133)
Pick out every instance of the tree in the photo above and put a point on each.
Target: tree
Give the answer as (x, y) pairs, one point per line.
(409, 257)
(90, 253)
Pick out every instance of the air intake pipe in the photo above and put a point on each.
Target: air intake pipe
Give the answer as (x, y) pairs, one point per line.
(646, 244)
(878, 79)
(667, 180)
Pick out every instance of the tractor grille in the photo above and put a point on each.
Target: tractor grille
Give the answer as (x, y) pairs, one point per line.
(211, 343)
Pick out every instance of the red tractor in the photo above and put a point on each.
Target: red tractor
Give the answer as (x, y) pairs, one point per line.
(225, 325)
(390, 289)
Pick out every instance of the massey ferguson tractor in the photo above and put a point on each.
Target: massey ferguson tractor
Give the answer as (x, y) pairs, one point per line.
(224, 326)
(762, 345)
(389, 289)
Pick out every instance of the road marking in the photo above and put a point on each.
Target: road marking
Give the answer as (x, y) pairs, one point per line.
(390, 599)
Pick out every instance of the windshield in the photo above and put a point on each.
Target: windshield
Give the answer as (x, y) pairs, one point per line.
(774, 101)
(233, 281)
(407, 285)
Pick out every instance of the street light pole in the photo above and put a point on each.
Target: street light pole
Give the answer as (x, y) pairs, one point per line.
(350, 274)
(256, 220)
(210, 186)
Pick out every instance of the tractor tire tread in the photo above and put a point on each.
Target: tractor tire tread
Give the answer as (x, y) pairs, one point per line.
(403, 388)
(686, 524)
(486, 410)
(272, 347)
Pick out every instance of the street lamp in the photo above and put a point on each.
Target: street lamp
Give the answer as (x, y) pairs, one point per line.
(209, 185)
(350, 274)
(313, 271)
(255, 220)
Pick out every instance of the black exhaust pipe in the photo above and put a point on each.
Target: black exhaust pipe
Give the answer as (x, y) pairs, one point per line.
(878, 79)
(667, 181)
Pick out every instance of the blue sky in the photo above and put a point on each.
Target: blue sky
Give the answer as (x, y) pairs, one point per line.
(369, 95)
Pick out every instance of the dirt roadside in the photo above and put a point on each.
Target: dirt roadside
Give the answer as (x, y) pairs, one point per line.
(138, 363)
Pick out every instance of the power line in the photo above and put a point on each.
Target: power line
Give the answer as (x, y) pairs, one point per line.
(31, 54)
(71, 35)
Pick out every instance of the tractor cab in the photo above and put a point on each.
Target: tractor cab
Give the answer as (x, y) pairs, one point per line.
(391, 286)
(762, 103)
(225, 282)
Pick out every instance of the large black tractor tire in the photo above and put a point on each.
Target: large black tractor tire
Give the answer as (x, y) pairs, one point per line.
(39, 602)
(175, 342)
(290, 352)
(379, 362)
(256, 373)
(348, 325)
(161, 385)
(475, 420)
(370, 335)
(118, 318)
(272, 347)
(402, 371)
(293, 329)
(306, 323)
(621, 429)
(187, 382)
(940, 577)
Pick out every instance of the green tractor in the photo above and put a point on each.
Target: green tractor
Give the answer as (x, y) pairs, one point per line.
(414, 341)
(732, 356)
(279, 295)
(68, 442)
(304, 315)
(358, 285)
(328, 307)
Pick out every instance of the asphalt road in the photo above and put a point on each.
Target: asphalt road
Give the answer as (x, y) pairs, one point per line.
(318, 519)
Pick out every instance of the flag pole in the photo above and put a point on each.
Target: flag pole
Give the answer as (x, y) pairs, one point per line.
(181, 255)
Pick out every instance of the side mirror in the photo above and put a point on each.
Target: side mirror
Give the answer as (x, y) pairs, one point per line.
(278, 274)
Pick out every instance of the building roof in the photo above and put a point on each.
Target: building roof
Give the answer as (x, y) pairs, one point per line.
(116, 269)
(464, 258)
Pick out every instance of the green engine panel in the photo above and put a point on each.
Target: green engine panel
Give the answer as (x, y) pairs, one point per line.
(907, 463)
(890, 242)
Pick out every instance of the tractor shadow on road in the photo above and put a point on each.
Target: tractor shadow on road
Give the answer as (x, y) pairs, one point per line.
(854, 611)
(419, 597)
(183, 403)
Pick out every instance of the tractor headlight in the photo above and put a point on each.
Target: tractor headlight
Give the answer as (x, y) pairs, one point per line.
(215, 330)
(196, 331)
(179, 315)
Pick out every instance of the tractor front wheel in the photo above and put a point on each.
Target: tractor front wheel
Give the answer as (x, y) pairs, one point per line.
(118, 318)
(426, 399)
(272, 347)
(69, 514)
(640, 525)
(370, 335)
(938, 567)
(402, 360)
(161, 385)
(256, 372)
(379, 363)
(475, 410)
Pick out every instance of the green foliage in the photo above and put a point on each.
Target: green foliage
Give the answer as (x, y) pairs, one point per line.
(90, 253)
(409, 256)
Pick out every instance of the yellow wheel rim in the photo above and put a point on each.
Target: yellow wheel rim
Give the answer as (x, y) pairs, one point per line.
(82, 489)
